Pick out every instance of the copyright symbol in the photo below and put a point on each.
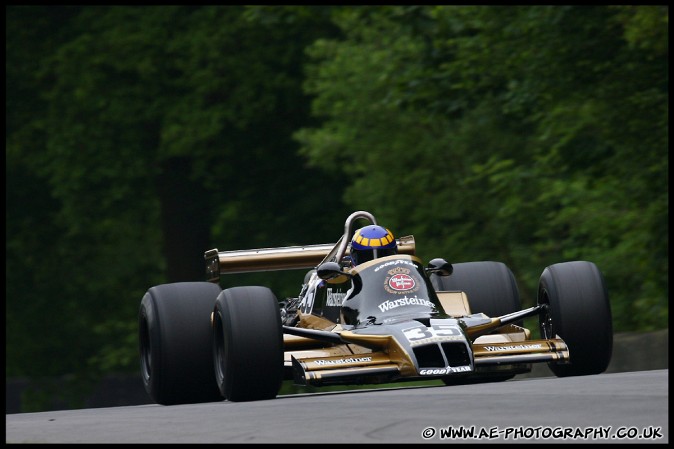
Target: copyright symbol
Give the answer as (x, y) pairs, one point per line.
(428, 433)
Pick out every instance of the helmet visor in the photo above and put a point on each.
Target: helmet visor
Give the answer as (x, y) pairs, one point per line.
(364, 255)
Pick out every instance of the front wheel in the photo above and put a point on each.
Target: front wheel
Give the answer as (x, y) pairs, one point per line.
(579, 312)
(248, 344)
(175, 343)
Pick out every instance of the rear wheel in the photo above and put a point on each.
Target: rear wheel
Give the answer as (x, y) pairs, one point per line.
(175, 343)
(248, 344)
(490, 287)
(579, 312)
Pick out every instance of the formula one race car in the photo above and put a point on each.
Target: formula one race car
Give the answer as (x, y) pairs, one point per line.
(389, 319)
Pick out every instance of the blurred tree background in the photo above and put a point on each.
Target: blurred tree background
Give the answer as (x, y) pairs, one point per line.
(137, 137)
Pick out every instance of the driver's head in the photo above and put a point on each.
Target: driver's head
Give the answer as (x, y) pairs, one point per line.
(371, 242)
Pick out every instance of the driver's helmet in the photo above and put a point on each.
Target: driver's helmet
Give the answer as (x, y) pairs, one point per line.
(371, 242)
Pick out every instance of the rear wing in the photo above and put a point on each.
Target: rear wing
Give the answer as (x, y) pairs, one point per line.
(282, 258)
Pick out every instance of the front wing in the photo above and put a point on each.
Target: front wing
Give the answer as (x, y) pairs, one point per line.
(412, 351)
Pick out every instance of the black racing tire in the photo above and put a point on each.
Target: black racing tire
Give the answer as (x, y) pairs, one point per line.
(491, 287)
(176, 343)
(248, 344)
(579, 312)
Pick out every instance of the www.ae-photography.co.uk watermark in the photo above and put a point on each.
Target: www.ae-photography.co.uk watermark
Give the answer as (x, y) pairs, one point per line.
(651, 433)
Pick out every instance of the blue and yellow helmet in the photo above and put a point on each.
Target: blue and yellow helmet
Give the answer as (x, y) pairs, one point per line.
(371, 242)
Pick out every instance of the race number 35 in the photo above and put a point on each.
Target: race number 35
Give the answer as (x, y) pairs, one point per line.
(436, 330)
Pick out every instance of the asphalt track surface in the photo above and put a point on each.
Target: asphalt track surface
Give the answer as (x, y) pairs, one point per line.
(607, 408)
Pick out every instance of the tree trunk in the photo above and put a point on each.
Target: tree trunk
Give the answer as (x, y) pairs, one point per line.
(185, 221)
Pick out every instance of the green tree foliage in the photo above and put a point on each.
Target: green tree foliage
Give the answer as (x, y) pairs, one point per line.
(530, 135)
(138, 138)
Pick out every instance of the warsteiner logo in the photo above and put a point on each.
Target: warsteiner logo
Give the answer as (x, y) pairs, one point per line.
(334, 298)
(513, 347)
(399, 281)
(343, 361)
(405, 301)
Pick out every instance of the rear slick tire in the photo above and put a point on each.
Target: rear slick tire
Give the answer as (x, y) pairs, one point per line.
(490, 287)
(176, 343)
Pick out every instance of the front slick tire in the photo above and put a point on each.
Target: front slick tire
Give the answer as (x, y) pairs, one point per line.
(579, 312)
(248, 344)
(175, 343)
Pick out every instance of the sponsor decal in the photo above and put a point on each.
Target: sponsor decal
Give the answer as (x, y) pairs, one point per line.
(399, 281)
(393, 262)
(445, 370)
(513, 348)
(334, 298)
(343, 361)
(307, 303)
(404, 301)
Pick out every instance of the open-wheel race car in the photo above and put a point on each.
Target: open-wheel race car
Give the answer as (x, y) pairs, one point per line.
(357, 321)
